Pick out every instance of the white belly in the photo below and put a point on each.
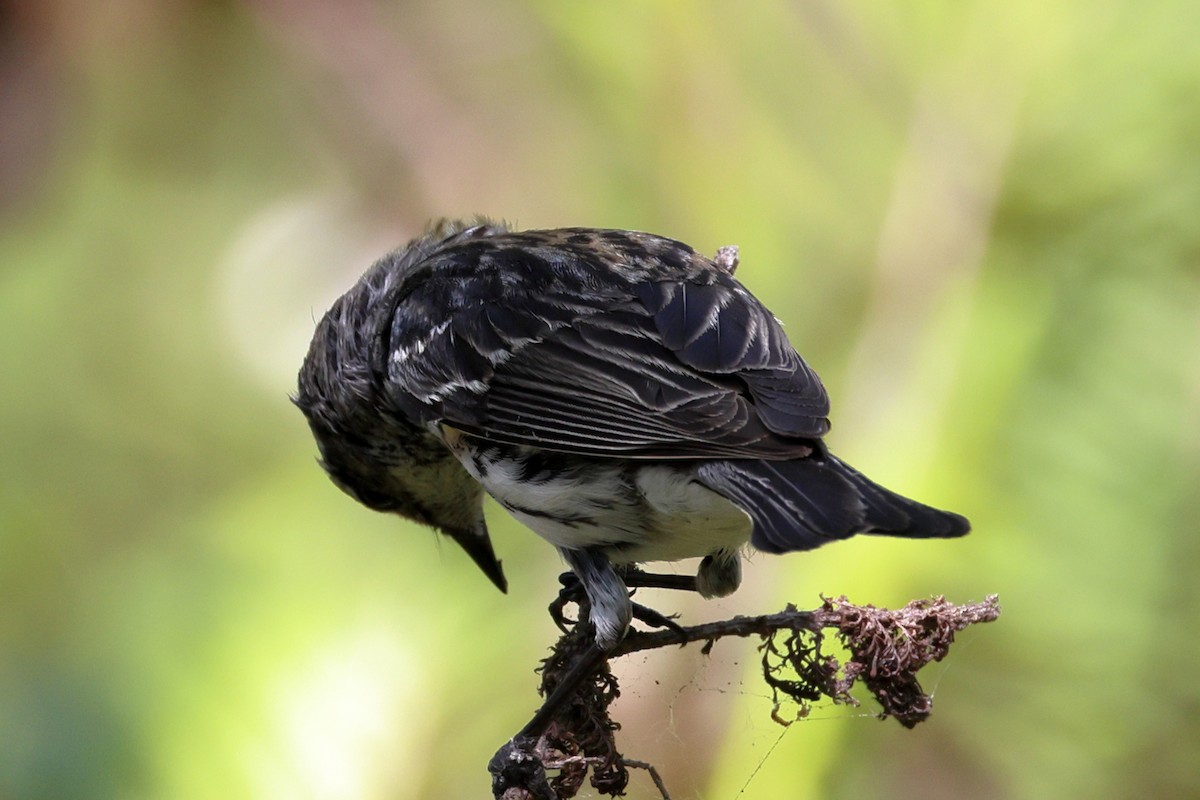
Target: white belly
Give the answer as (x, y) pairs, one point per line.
(689, 519)
(652, 514)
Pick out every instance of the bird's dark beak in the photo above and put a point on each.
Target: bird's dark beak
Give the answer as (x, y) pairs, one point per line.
(478, 545)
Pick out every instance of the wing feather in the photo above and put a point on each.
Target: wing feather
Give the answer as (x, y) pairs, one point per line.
(689, 365)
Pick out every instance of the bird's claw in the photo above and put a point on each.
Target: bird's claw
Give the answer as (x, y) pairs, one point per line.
(656, 619)
(571, 592)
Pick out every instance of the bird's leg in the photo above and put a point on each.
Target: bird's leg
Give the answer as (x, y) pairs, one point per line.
(573, 592)
(637, 579)
(719, 575)
(610, 610)
(657, 619)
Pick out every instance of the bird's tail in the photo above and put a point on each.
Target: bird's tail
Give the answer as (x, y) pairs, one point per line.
(799, 505)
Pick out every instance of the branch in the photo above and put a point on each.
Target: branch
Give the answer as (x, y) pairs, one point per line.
(709, 632)
(573, 731)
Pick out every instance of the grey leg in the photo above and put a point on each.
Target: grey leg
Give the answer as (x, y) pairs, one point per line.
(612, 610)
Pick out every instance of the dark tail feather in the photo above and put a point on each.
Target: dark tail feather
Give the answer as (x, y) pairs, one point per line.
(891, 514)
(799, 505)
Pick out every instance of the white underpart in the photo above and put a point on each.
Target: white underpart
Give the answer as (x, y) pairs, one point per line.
(689, 519)
(672, 518)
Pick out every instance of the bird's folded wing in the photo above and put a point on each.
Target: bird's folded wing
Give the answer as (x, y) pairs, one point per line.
(672, 370)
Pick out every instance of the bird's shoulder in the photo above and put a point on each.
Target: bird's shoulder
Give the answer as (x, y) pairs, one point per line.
(573, 266)
(594, 340)
(459, 307)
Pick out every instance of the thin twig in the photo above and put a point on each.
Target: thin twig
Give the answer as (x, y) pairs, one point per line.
(763, 625)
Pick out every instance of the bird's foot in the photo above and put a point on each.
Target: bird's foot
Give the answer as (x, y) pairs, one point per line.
(656, 619)
(572, 591)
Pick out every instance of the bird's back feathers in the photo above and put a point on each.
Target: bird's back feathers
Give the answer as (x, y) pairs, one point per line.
(607, 343)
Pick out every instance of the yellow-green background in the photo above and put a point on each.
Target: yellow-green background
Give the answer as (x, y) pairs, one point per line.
(980, 221)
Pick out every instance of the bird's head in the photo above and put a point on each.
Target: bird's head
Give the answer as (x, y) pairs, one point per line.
(369, 449)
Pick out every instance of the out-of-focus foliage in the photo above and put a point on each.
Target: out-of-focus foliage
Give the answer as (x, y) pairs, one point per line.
(978, 220)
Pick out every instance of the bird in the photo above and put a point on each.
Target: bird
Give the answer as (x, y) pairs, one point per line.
(620, 394)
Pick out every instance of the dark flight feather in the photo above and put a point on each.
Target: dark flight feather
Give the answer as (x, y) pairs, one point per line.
(674, 361)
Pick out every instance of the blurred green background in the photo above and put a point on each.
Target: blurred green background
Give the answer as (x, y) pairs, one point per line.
(979, 221)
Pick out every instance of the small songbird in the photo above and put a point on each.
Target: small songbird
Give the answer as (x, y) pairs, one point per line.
(622, 395)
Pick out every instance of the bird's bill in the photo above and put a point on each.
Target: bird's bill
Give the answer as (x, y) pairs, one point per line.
(478, 546)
